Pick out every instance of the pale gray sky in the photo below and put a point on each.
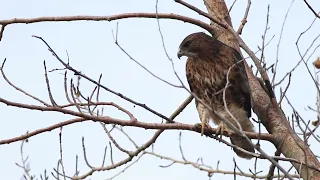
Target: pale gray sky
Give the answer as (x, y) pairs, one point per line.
(92, 50)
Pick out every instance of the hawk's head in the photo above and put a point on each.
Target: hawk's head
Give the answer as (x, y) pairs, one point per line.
(194, 44)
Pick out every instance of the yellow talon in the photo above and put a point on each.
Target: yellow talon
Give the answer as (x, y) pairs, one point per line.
(222, 129)
(202, 125)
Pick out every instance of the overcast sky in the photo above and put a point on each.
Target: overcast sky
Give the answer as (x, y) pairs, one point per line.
(92, 50)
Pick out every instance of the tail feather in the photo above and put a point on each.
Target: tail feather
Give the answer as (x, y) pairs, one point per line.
(244, 144)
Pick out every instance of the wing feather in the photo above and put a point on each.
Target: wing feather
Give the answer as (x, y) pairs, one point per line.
(241, 82)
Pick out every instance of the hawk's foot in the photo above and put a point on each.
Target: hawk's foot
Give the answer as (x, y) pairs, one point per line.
(202, 125)
(221, 129)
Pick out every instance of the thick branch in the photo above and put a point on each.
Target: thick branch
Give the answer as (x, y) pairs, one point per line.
(108, 120)
(4, 23)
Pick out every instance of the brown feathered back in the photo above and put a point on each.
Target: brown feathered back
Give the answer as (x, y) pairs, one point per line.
(207, 65)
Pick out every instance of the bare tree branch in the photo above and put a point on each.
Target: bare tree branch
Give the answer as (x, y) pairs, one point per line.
(312, 10)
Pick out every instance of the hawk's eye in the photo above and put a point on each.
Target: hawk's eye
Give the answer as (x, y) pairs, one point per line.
(187, 44)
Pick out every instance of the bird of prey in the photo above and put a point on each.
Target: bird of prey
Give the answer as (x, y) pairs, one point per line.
(208, 63)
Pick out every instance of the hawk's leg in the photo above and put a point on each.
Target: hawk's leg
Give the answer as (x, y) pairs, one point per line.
(204, 123)
(221, 129)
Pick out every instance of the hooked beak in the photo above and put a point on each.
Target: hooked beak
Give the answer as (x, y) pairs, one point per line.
(180, 53)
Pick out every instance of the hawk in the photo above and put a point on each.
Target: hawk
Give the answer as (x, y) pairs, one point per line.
(208, 63)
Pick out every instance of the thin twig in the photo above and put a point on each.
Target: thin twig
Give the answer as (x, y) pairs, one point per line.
(17, 88)
(85, 154)
(278, 45)
(53, 102)
(272, 166)
(312, 10)
(244, 20)
(61, 159)
(98, 84)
